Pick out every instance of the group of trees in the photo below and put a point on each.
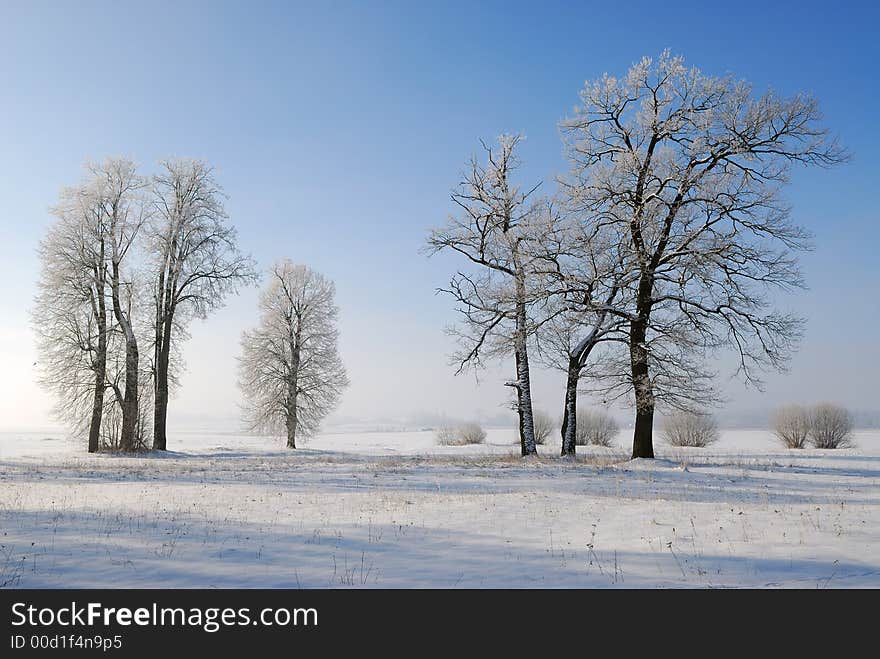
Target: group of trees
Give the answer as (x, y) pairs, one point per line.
(129, 262)
(659, 247)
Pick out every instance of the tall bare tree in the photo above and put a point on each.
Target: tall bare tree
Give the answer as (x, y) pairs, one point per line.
(689, 168)
(122, 210)
(86, 267)
(496, 230)
(290, 372)
(197, 262)
(70, 313)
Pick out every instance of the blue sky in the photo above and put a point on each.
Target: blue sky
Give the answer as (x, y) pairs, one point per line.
(338, 129)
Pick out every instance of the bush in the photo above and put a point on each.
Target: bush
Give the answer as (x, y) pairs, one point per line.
(830, 426)
(791, 424)
(544, 426)
(461, 435)
(446, 435)
(690, 429)
(595, 427)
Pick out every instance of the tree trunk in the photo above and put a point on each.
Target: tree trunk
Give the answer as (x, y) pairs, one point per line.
(100, 358)
(291, 429)
(529, 445)
(292, 391)
(160, 405)
(98, 401)
(523, 379)
(643, 442)
(519, 409)
(130, 401)
(643, 445)
(569, 416)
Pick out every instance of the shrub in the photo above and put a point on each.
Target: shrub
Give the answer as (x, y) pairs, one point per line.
(461, 435)
(830, 426)
(446, 435)
(544, 426)
(595, 427)
(690, 429)
(791, 424)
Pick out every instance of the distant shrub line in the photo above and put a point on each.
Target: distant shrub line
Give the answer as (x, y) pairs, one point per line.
(823, 425)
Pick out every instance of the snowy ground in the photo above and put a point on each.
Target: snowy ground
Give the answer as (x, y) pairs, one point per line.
(393, 510)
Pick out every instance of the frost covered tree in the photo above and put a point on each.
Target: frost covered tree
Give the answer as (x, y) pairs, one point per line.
(688, 169)
(290, 372)
(70, 313)
(83, 314)
(195, 262)
(496, 230)
(122, 210)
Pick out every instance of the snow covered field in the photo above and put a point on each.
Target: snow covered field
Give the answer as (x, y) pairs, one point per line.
(394, 510)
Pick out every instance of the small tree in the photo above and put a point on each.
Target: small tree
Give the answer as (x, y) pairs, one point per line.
(290, 371)
(544, 426)
(791, 424)
(830, 426)
(696, 429)
(595, 427)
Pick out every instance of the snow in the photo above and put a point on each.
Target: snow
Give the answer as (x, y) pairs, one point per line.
(394, 510)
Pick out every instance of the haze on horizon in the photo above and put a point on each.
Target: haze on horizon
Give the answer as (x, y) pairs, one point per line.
(338, 132)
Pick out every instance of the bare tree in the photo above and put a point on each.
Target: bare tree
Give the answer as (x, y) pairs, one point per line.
(496, 231)
(70, 313)
(118, 190)
(830, 426)
(687, 169)
(791, 424)
(690, 429)
(86, 258)
(290, 372)
(196, 261)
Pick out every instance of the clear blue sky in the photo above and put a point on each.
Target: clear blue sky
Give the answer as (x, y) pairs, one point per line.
(337, 130)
